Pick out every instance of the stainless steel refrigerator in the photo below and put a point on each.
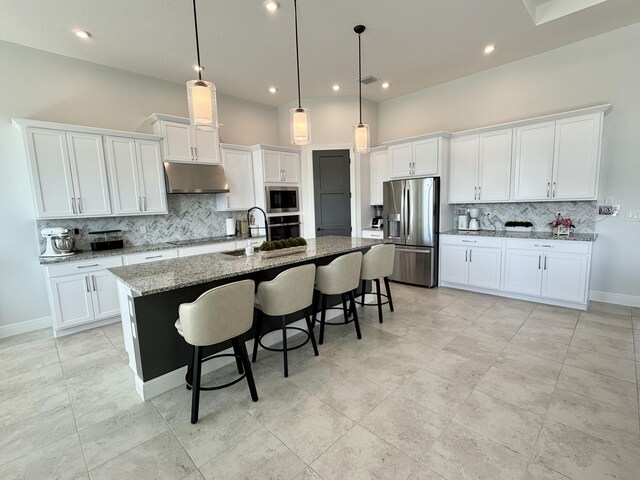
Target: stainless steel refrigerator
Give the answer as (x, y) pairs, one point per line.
(410, 219)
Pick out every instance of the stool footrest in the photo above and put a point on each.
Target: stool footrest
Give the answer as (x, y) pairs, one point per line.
(217, 387)
(363, 304)
(271, 349)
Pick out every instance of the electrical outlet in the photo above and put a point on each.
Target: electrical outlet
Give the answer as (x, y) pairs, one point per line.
(608, 210)
(143, 229)
(487, 215)
(608, 200)
(633, 216)
(558, 214)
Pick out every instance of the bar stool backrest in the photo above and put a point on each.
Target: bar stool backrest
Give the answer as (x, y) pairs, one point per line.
(291, 291)
(341, 275)
(378, 262)
(218, 314)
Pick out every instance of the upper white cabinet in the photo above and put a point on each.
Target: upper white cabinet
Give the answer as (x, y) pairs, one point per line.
(238, 168)
(558, 160)
(378, 174)
(182, 142)
(281, 166)
(480, 167)
(137, 176)
(68, 173)
(416, 157)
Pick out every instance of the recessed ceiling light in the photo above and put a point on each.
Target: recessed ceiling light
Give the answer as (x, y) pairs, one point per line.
(386, 85)
(271, 6)
(489, 49)
(82, 34)
(336, 87)
(198, 68)
(273, 90)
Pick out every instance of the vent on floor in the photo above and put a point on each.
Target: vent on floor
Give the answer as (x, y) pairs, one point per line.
(367, 79)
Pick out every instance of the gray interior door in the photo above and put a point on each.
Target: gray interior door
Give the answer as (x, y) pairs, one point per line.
(332, 197)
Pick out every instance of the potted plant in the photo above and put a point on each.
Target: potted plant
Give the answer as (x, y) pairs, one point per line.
(562, 226)
(277, 248)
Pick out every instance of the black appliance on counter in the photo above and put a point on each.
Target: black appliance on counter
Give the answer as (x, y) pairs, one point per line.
(284, 226)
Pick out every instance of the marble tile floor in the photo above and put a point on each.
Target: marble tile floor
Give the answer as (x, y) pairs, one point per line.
(453, 386)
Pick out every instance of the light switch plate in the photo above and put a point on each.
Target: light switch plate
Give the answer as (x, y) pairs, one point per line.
(608, 210)
(633, 216)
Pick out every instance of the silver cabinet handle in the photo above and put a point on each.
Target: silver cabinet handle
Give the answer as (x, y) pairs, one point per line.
(553, 194)
(152, 256)
(466, 255)
(89, 266)
(139, 205)
(193, 157)
(79, 206)
(284, 175)
(545, 262)
(539, 260)
(228, 201)
(469, 241)
(144, 203)
(470, 253)
(543, 245)
(475, 193)
(195, 151)
(73, 205)
(479, 193)
(548, 188)
(86, 283)
(93, 282)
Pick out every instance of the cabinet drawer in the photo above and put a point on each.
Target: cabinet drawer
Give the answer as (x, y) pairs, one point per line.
(209, 248)
(146, 257)
(83, 266)
(470, 241)
(561, 246)
(372, 234)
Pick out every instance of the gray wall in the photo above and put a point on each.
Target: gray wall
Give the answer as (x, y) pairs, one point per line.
(603, 69)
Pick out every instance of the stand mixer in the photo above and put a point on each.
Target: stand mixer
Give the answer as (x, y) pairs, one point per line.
(59, 242)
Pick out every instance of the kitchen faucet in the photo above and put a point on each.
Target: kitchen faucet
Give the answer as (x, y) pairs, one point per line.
(266, 228)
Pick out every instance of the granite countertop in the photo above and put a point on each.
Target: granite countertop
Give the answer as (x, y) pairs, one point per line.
(576, 237)
(165, 275)
(88, 254)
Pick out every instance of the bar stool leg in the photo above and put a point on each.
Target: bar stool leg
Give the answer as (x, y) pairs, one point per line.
(386, 286)
(256, 335)
(345, 312)
(189, 376)
(379, 300)
(241, 347)
(284, 346)
(364, 289)
(315, 303)
(311, 334)
(195, 396)
(322, 318)
(236, 352)
(356, 322)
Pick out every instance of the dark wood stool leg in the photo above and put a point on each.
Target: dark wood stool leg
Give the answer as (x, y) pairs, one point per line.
(311, 334)
(241, 347)
(379, 299)
(195, 396)
(356, 322)
(284, 346)
(323, 314)
(386, 286)
(256, 335)
(345, 312)
(236, 352)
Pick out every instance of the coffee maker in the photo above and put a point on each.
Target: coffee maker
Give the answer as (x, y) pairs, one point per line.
(376, 222)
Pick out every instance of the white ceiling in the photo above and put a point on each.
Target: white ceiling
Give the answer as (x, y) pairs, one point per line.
(411, 43)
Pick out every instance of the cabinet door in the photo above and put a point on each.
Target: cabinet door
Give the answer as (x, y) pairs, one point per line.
(71, 298)
(378, 174)
(151, 177)
(453, 264)
(123, 169)
(577, 157)
(176, 142)
(50, 173)
(565, 276)
(425, 157)
(523, 271)
(206, 145)
(485, 267)
(534, 161)
(494, 166)
(401, 157)
(104, 294)
(464, 169)
(238, 169)
(290, 164)
(272, 169)
(88, 168)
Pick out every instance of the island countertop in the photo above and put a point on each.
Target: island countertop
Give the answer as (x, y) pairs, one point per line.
(166, 275)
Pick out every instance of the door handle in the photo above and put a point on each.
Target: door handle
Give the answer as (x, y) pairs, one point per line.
(193, 157)
(466, 255)
(408, 214)
(79, 206)
(479, 193)
(475, 193)
(153, 256)
(470, 253)
(93, 282)
(89, 266)
(539, 261)
(554, 190)
(545, 262)
(228, 201)
(139, 205)
(73, 205)
(195, 150)
(144, 203)
(548, 188)
(86, 283)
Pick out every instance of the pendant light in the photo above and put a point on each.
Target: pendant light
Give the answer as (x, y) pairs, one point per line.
(361, 130)
(201, 95)
(299, 123)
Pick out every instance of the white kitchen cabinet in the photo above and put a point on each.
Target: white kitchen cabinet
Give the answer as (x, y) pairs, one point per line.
(148, 257)
(281, 166)
(475, 262)
(453, 264)
(485, 267)
(416, 157)
(104, 295)
(68, 174)
(481, 167)
(523, 271)
(378, 174)
(534, 161)
(71, 299)
(137, 176)
(238, 168)
(565, 276)
(182, 142)
(371, 233)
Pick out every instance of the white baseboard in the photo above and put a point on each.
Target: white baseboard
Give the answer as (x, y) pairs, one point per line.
(63, 332)
(25, 327)
(617, 298)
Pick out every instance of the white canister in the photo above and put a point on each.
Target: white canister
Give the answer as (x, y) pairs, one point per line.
(231, 226)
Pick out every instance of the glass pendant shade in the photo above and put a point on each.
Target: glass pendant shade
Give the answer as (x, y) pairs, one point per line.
(300, 134)
(203, 108)
(361, 137)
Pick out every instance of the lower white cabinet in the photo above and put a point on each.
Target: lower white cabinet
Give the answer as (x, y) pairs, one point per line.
(472, 262)
(371, 233)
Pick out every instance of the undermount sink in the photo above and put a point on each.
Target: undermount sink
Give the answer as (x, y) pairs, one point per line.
(235, 253)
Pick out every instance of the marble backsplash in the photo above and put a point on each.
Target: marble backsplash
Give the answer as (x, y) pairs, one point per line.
(189, 217)
(583, 214)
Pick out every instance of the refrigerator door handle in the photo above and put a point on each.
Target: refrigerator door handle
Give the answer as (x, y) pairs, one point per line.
(408, 212)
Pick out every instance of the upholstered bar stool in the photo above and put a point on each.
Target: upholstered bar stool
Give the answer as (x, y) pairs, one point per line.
(290, 292)
(220, 314)
(340, 277)
(377, 263)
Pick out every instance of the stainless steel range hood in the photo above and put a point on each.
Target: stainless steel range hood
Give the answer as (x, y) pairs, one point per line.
(195, 178)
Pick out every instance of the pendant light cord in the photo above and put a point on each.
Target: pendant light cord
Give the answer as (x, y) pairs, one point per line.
(359, 76)
(195, 22)
(295, 13)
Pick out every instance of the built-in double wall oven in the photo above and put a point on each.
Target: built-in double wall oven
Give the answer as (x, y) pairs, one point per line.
(284, 226)
(282, 199)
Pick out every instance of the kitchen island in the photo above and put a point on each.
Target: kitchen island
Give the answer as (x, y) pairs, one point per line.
(151, 293)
